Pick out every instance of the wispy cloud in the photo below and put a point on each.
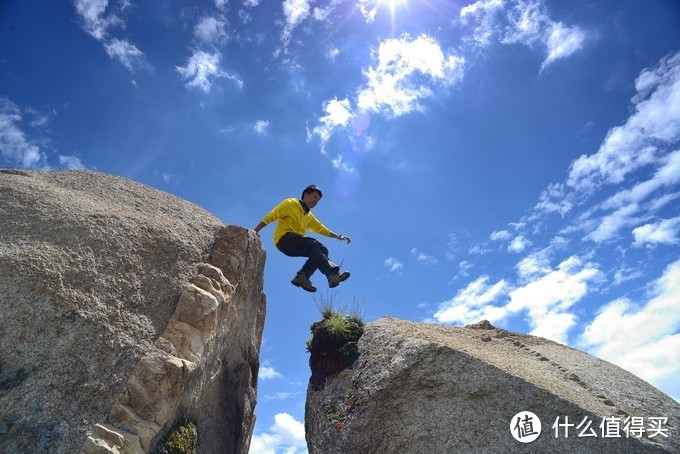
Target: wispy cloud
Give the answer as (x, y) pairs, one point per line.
(473, 303)
(295, 12)
(99, 18)
(286, 435)
(16, 147)
(394, 86)
(393, 264)
(203, 68)
(126, 53)
(635, 144)
(211, 30)
(406, 72)
(548, 298)
(562, 42)
(519, 244)
(483, 15)
(642, 338)
(71, 162)
(620, 195)
(666, 231)
(261, 126)
(267, 373)
(500, 235)
(423, 258)
(545, 297)
(524, 22)
(22, 139)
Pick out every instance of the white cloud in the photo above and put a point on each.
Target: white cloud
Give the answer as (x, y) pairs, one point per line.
(641, 338)
(15, 147)
(465, 267)
(500, 235)
(395, 86)
(609, 226)
(406, 73)
(528, 23)
(95, 22)
(211, 30)
(261, 126)
(267, 373)
(333, 53)
(393, 264)
(483, 13)
(295, 12)
(70, 162)
(251, 3)
(562, 42)
(532, 266)
(286, 435)
(98, 22)
(423, 258)
(472, 304)
(519, 244)
(338, 115)
(555, 199)
(124, 52)
(635, 144)
(527, 19)
(201, 70)
(547, 298)
(322, 13)
(369, 8)
(665, 231)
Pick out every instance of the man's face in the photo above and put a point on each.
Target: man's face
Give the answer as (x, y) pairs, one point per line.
(311, 199)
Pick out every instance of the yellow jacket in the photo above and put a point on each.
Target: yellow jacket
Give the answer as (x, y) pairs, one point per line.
(292, 218)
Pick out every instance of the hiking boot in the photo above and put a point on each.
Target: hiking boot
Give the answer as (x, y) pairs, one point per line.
(335, 278)
(301, 280)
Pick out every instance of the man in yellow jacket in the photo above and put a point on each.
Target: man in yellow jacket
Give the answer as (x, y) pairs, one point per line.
(294, 219)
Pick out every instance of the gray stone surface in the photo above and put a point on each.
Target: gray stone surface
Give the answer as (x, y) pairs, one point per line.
(421, 388)
(123, 308)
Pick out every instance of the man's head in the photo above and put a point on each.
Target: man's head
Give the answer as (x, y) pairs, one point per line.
(311, 196)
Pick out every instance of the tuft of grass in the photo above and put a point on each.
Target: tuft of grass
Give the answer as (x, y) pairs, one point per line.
(330, 306)
(344, 318)
(337, 324)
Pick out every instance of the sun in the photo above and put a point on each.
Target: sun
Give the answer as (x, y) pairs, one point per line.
(393, 4)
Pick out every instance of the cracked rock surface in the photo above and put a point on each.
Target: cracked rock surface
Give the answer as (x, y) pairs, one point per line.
(123, 309)
(423, 388)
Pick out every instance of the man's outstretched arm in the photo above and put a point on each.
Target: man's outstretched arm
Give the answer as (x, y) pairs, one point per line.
(259, 227)
(340, 237)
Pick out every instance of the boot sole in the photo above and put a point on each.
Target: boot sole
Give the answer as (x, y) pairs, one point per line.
(342, 278)
(309, 289)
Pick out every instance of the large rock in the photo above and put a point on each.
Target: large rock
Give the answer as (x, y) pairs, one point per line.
(124, 310)
(421, 388)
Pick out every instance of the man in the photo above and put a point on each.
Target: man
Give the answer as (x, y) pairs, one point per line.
(294, 219)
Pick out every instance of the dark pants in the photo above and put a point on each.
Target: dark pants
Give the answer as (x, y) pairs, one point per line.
(294, 245)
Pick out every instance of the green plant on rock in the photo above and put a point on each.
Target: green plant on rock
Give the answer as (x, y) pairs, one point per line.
(182, 440)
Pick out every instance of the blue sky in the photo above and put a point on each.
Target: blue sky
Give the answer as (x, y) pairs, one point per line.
(509, 160)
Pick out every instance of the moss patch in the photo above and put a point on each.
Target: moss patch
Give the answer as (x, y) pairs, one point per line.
(182, 440)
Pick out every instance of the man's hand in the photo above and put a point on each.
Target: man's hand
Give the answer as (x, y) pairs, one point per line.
(344, 238)
(259, 227)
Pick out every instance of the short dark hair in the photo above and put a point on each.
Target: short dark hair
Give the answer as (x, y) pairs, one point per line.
(312, 188)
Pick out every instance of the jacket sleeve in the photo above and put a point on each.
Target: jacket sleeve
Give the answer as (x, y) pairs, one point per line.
(276, 213)
(315, 226)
